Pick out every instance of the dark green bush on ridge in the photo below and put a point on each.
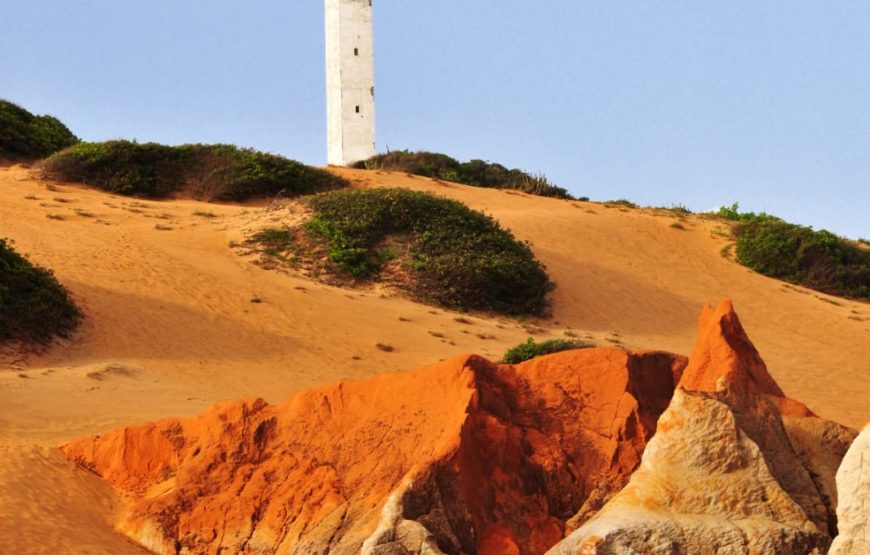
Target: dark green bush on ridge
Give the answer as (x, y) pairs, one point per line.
(211, 172)
(33, 305)
(458, 258)
(475, 172)
(531, 349)
(816, 259)
(26, 136)
(819, 260)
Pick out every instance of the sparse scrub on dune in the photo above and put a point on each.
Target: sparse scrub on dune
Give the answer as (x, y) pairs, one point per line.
(443, 251)
(816, 259)
(25, 136)
(531, 349)
(478, 173)
(676, 209)
(798, 254)
(208, 172)
(33, 305)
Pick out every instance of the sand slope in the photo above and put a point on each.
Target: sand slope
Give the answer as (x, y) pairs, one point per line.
(171, 327)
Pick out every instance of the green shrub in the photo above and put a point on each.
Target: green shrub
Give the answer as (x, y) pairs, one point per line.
(33, 305)
(531, 349)
(455, 256)
(478, 173)
(816, 259)
(212, 172)
(26, 136)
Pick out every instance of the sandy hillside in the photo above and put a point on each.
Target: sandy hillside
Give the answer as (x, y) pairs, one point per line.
(171, 326)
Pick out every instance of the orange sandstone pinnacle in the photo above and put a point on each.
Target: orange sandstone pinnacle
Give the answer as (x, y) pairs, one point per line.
(735, 466)
(468, 456)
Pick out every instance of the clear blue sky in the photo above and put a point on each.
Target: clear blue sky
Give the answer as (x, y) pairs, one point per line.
(695, 102)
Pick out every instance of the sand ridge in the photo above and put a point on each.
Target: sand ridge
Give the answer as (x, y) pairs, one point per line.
(168, 296)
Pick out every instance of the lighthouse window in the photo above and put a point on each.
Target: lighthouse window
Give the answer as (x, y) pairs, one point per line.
(356, 51)
(357, 109)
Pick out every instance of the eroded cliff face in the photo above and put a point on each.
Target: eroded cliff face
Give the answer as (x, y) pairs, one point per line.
(465, 456)
(735, 466)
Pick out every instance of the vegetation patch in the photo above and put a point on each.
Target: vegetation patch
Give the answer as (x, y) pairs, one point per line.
(24, 136)
(819, 259)
(208, 172)
(437, 250)
(33, 305)
(477, 173)
(531, 349)
(620, 203)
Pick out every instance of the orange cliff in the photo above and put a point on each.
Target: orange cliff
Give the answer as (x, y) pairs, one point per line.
(462, 456)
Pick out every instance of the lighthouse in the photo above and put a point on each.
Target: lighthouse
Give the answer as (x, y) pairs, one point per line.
(350, 81)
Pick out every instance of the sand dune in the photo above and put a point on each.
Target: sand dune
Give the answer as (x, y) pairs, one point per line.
(171, 326)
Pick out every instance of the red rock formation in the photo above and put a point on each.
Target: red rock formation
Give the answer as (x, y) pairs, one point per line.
(735, 466)
(460, 457)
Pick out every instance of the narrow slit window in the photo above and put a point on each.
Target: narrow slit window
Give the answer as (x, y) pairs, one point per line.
(357, 109)
(356, 51)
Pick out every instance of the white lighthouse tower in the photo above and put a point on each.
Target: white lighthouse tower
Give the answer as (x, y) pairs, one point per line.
(350, 81)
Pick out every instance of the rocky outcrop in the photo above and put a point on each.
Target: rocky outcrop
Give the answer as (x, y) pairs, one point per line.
(735, 466)
(461, 457)
(853, 509)
(468, 457)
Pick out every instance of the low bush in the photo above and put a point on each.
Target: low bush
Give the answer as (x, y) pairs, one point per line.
(33, 305)
(24, 136)
(478, 173)
(531, 349)
(819, 260)
(447, 253)
(798, 254)
(210, 172)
